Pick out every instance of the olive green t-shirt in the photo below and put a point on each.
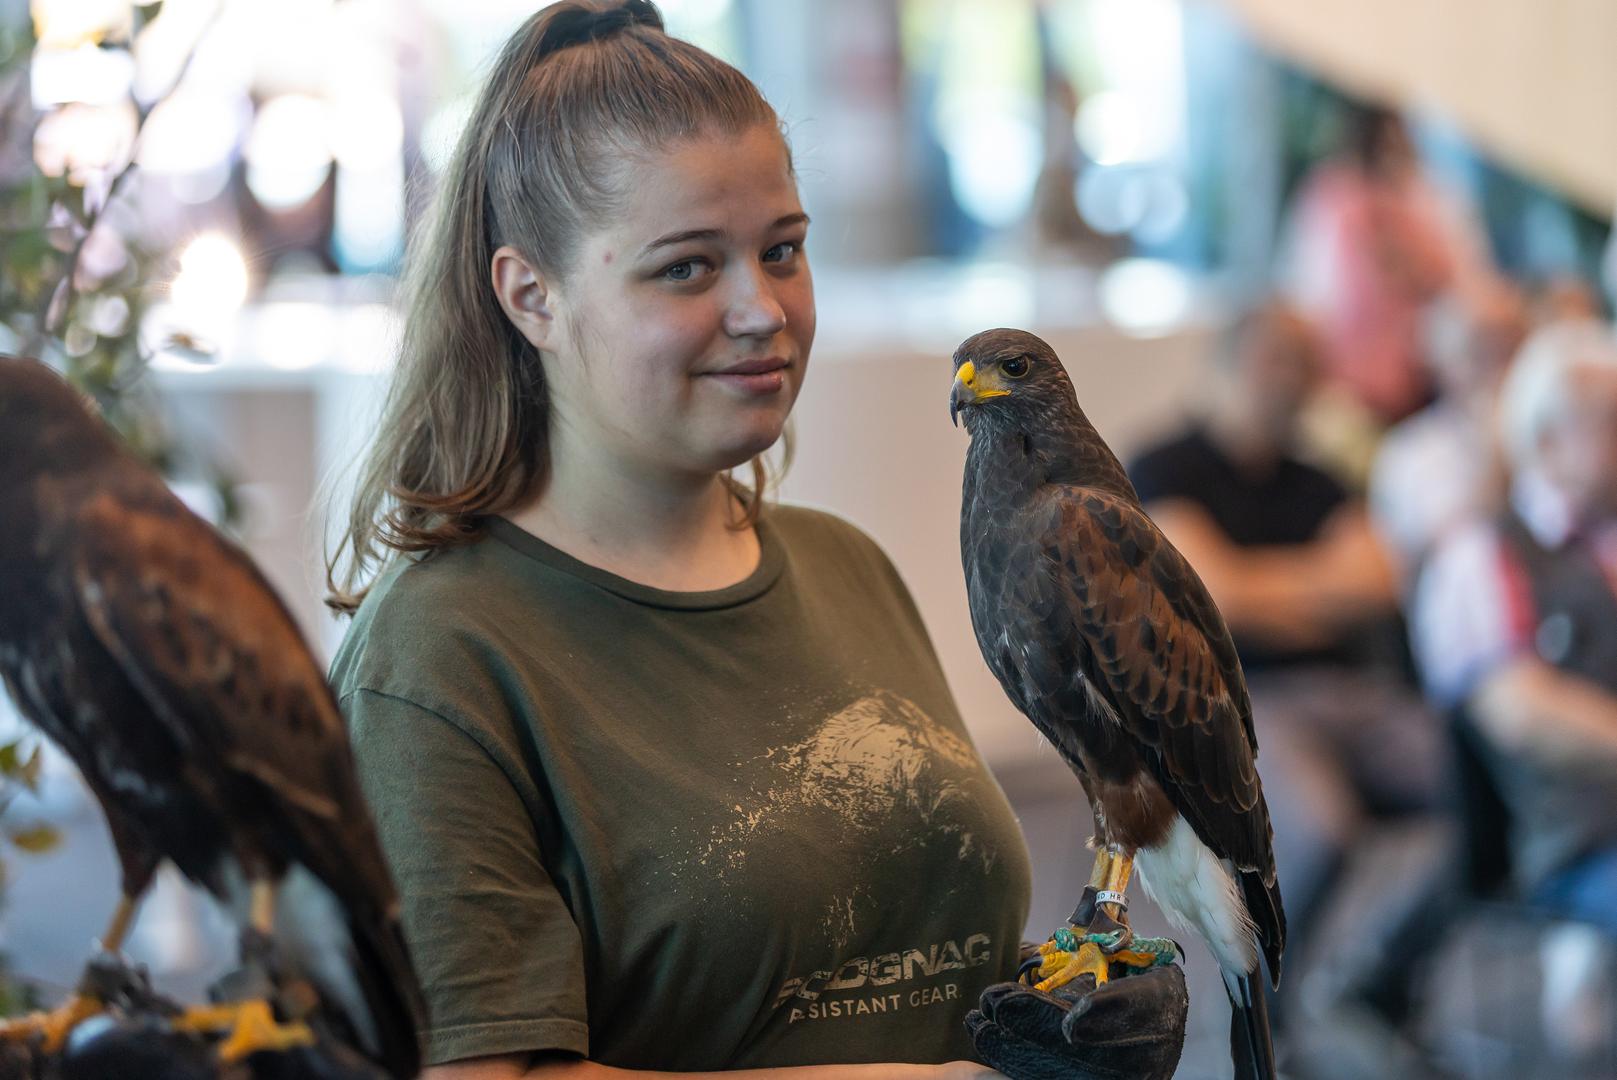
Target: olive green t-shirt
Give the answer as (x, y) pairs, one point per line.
(675, 830)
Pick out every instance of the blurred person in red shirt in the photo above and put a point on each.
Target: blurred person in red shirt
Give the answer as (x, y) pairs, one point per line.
(1370, 242)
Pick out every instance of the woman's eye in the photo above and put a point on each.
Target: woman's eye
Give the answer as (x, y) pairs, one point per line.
(1015, 367)
(681, 271)
(783, 251)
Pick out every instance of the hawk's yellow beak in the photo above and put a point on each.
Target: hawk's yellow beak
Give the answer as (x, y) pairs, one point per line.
(969, 389)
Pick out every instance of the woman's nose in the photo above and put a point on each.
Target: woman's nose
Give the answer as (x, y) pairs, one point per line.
(755, 311)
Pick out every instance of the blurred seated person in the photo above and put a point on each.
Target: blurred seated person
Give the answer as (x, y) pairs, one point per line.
(1307, 590)
(1515, 621)
(1442, 468)
(1289, 557)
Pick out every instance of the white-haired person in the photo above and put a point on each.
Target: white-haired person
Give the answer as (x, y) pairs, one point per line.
(1515, 621)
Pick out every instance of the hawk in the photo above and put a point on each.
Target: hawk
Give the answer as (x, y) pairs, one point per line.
(1104, 637)
(152, 651)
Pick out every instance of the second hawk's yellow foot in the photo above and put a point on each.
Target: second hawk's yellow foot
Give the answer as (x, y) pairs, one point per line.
(1060, 968)
(252, 1028)
(51, 1028)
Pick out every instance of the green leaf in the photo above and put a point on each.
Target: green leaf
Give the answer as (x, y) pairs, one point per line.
(14, 766)
(32, 769)
(37, 839)
(27, 248)
(70, 197)
(16, 43)
(145, 13)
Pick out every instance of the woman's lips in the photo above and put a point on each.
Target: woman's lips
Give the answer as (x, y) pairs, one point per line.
(754, 378)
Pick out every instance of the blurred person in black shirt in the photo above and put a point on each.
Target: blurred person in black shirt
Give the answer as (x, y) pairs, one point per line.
(1289, 556)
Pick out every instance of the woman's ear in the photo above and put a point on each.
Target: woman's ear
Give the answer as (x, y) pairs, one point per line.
(524, 294)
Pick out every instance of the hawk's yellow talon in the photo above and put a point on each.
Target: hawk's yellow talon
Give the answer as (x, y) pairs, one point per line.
(252, 1028)
(52, 1028)
(1088, 959)
(1134, 959)
(205, 1018)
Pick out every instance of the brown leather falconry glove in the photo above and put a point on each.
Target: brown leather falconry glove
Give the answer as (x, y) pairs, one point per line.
(1131, 1028)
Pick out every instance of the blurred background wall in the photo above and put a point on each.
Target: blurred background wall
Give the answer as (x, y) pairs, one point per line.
(1521, 78)
(1119, 176)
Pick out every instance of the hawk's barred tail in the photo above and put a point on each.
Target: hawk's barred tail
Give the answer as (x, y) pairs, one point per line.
(347, 856)
(1251, 1044)
(1268, 918)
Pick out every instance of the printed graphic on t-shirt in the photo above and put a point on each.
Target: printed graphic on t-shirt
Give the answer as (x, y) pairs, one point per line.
(892, 795)
(879, 757)
(891, 982)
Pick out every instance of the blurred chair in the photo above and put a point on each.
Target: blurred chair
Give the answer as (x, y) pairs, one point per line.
(1428, 964)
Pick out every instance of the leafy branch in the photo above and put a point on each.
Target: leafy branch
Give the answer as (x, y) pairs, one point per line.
(75, 286)
(76, 271)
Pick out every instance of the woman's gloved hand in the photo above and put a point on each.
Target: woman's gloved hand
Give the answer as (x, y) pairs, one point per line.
(1133, 1026)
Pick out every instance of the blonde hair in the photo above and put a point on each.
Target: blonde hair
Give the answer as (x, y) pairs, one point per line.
(463, 433)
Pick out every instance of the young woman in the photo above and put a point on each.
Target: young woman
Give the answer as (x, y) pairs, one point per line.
(668, 781)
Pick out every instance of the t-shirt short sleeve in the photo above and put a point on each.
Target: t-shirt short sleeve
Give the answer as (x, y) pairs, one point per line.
(493, 942)
(1471, 611)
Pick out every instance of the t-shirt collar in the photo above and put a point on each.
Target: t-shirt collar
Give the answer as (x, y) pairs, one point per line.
(771, 561)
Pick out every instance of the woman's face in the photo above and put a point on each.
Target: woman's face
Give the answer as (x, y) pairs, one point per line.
(682, 333)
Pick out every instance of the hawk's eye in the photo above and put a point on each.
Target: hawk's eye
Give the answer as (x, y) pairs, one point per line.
(1015, 367)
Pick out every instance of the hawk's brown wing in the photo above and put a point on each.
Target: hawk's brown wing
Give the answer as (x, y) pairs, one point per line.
(222, 665)
(1162, 657)
(213, 651)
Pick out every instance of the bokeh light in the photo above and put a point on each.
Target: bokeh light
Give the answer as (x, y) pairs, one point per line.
(212, 283)
(289, 151)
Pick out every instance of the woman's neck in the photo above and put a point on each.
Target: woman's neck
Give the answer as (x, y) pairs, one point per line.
(653, 530)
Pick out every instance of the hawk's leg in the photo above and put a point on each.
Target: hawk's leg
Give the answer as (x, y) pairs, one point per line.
(1084, 913)
(1100, 935)
(1111, 908)
(250, 1025)
(52, 1028)
(122, 919)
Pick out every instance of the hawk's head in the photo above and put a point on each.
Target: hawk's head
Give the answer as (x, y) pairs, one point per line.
(1009, 378)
